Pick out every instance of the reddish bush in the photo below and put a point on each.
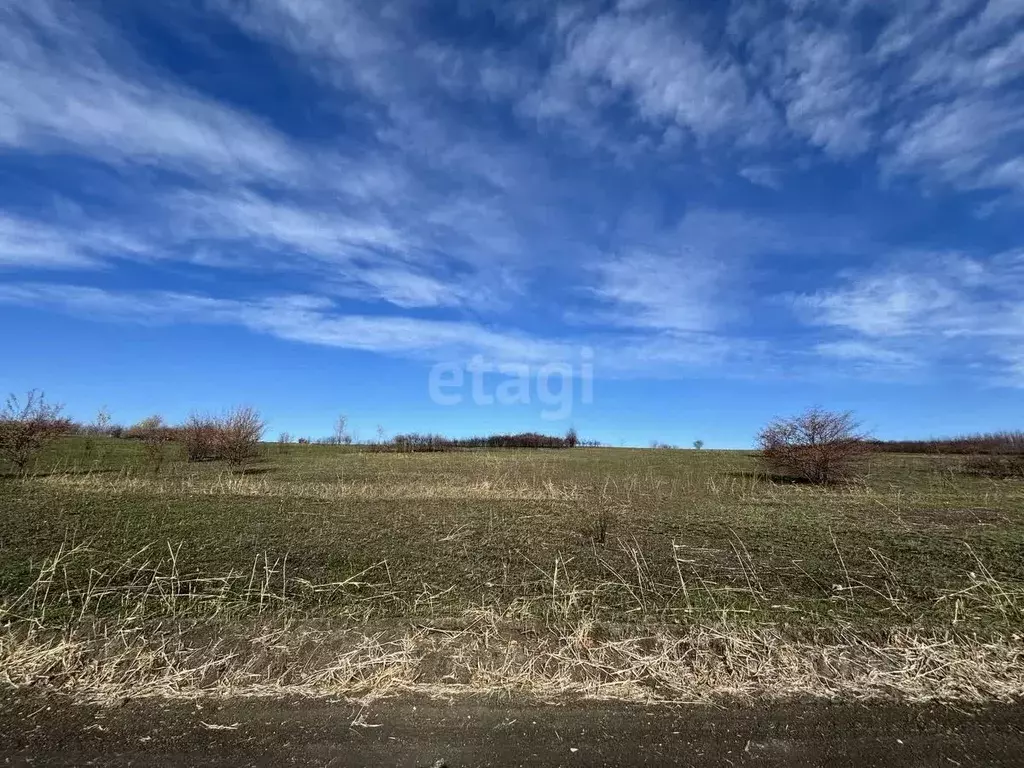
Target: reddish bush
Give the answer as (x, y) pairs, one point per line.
(199, 436)
(817, 446)
(27, 427)
(241, 431)
(235, 436)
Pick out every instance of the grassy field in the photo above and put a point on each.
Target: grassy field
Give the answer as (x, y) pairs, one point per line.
(596, 571)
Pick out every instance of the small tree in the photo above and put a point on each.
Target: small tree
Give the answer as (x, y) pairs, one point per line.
(241, 431)
(572, 438)
(341, 435)
(817, 446)
(101, 428)
(103, 420)
(27, 427)
(698, 444)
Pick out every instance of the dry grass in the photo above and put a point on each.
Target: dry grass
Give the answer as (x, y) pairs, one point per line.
(109, 663)
(247, 634)
(231, 484)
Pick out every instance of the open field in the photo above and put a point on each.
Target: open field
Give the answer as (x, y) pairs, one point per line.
(600, 572)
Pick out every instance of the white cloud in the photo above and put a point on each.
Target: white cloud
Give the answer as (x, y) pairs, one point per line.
(886, 305)
(321, 231)
(932, 97)
(925, 308)
(867, 352)
(307, 319)
(957, 115)
(316, 320)
(418, 252)
(670, 76)
(959, 143)
(369, 225)
(814, 70)
(26, 244)
(59, 92)
(763, 175)
(30, 244)
(696, 275)
(827, 98)
(649, 290)
(650, 58)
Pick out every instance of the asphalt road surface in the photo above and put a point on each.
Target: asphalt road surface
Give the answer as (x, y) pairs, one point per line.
(464, 733)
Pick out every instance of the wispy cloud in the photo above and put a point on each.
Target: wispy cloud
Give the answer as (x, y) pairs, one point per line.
(315, 320)
(925, 309)
(884, 305)
(302, 318)
(874, 354)
(763, 175)
(827, 98)
(649, 290)
(61, 93)
(26, 244)
(931, 95)
(647, 56)
(30, 244)
(696, 276)
(962, 143)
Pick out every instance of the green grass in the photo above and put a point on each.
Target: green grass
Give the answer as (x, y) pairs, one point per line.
(690, 536)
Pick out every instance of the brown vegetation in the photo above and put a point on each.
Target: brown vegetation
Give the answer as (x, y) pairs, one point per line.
(817, 446)
(235, 436)
(429, 443)
(26, 427)
(1007, 443)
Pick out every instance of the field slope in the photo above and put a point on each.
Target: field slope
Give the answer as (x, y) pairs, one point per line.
(681, 575)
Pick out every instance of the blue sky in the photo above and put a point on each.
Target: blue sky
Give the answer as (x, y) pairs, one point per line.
(739, 209)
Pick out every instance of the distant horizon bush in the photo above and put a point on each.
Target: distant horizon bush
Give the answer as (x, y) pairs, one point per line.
(420, 443)
(1005, 442)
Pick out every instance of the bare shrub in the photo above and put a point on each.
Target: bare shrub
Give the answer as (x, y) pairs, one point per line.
(154, 433)
(200, 436)
(241, 431)
(818, 446)
(27, 427)
(145, 428)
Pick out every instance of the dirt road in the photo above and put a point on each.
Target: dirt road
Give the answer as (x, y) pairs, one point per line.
(464, 733)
